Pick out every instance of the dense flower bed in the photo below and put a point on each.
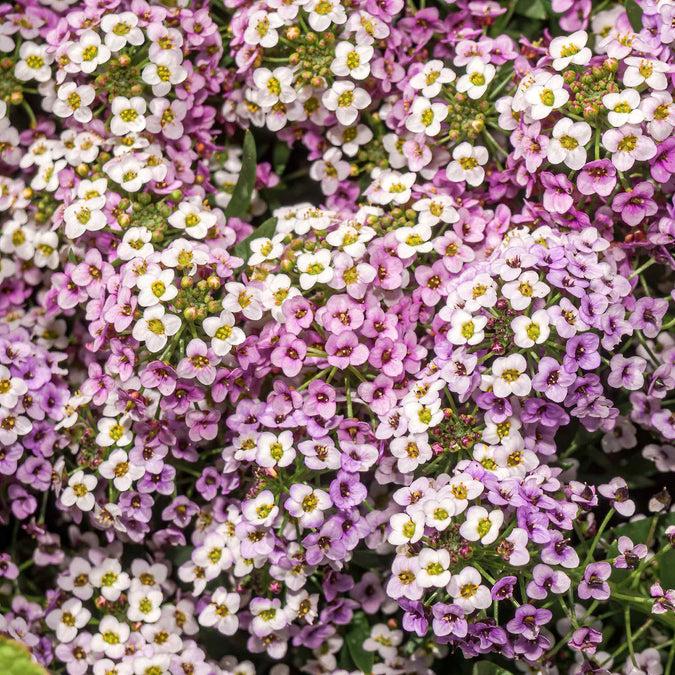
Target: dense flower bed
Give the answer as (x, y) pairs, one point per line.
(337, 337)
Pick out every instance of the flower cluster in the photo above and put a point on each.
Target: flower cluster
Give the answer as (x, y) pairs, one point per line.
(337, 337)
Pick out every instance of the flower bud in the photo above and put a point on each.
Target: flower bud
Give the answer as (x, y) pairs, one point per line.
(190, 313)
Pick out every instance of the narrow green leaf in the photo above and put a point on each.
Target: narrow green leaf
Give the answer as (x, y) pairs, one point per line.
(243, 190)
(634, 15)
(15, 659)
(243, 248)
(280, 156)
(362, 659)
(532, 9)
(489, 668)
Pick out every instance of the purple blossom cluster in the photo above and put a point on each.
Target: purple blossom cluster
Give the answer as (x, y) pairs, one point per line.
(337, 337)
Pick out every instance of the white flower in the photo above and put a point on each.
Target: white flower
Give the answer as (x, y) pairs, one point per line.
(431, 78)
(47, 178)
(438, 512)
(467, 164)
(156, 286)
(411, 451)
(567, 144)
(623, 108)
(440, 208)
(477, 78)
(570, 49)
(164, 72)
(466, 328)
(480, 524)
(481, 291)
(352, 60)
(265, 249)
(223, 333)
(108, 576)
(135, 244)
(118, 469)
(158, 664)
(434, 567)
(221, 612)
(12, 426)
(406, 528)
(508, 376)
(468, 592)
(384, 641)
(531, 330)
(128, 115)
(324, 12)
(261, 510)
(426, 117)
(213, 556)
(345, 99)
(129, 172)
(412, 240)
(78, 492)
(261, 29)
(463, 487)
(88, 53)
(144, 605)
(68, 619)
(111, 638)
(120, 30)
(273, 450)
(330, 170)
(349, 139)
(114, 432)
(10, 388)
(34, 63)
(645, 71)
(422, 416)
(315, 268)
(74, 100)
(546, 96)
(195, 220)
(395, 187)
(307, 504)
(274, 85)
(659, 112)
(524, 289)
(156, 327)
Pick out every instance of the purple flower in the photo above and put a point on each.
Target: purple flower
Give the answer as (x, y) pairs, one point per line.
(594, 584)
(552, 379)
(448, 620)
(637, 204)
(346, 490)
(545, 580)
(626, 373)
(320, 400)
(582, 352)
(557, 192)
(630, 554)
(585, 640)
(648, 314)
(598, 177)
(617, 491)
(527, 621)
(344, 350)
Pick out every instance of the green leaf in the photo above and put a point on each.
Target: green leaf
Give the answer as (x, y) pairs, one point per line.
(243, 248)
(638, 530)
(634, 15)
(532, 9)
(362, 659)
(243, 190)
(280, 155)
(489, 668)
(667, 569)
(15, 659)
